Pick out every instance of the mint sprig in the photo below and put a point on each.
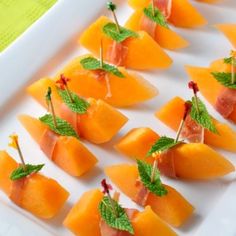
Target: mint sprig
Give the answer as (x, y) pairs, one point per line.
(63, 127)
(230, 60)
(77, 105)
(162, 144)
(110, 29)
(118, 219)
(225, 79)
(201, 115)
(152, 183)
(157, 17)
(91, 63)
(20, 172)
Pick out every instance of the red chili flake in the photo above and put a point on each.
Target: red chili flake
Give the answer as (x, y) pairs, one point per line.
(106, 186)
(187, 106)
(62, 82)
(192, 85)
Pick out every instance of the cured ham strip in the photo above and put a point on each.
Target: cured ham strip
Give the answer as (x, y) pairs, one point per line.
(226, 102)
(166, 164)
(106, 230)
(117, 53)
(17, 189)
(142, 194)
(164, 6)
(146, 24)
(71, 117)
(48, 143)
(192, 131)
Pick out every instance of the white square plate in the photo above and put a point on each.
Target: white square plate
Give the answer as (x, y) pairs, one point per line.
(49, 44)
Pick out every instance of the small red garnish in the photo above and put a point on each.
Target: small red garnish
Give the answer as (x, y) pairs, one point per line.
(106, 186)
(187, 106)
(192, 85)
(62, 82)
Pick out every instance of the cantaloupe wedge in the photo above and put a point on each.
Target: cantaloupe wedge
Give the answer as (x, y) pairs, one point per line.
(192, 161)
(172, 208)
(208, 1)
(226, 138)
(84, 218)
(137, 142)
(183, 13)
(229, 30)
(42, 196)
(85, 84)
(69, 153)
(98, 125)
(143, 52)
(165, 37)
(208, 85)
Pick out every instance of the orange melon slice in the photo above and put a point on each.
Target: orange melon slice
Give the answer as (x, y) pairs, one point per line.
(192, 161)
(143, 52)
(69, 153)
(183, 13)
(38, 194)
(165, 37)
(229, 30)
(226, 138)
(208, 85)
(83, 83)
(98, 125)
(172, 208)
(86, 210)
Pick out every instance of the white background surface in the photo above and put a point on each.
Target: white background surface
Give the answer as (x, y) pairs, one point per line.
(51, 43)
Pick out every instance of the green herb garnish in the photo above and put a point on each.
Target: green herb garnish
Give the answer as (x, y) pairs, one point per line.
(225, 79)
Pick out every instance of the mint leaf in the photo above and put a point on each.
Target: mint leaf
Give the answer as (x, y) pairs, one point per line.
(230, 60)
(203, 118)
(145, 173)
(118, 219)
(224, 79)
(90, 63)
(63, 127)
(79, 105)
(21, 173)
(158, 17)
(162, 144)
(111, 31)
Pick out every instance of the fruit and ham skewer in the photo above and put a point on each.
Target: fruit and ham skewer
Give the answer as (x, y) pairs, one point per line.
(107, 217)
(176, 159)
(180, 13)
(153, 20)
(59, 141)
(27, 188)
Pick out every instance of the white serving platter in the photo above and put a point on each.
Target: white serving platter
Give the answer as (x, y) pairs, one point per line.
(49, 44)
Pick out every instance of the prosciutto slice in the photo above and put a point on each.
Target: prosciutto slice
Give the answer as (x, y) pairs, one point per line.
(106, 230)
(142, 194)
(164, 6)
(17, 188)
(226, 101)
(146, 24)
(117, 53)
(192, 131)
(166, 164)
(48, 143)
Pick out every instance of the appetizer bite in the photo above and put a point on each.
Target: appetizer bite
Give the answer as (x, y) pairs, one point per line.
(218, 84)
(143, 185)
(27, 188)
(199, 125)
(229, 30)
(153, 20)
(97, 213)
(180, 13)
(59, 141)
(92, 119)
(176, 158)
(92, 77)
(123, 47)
